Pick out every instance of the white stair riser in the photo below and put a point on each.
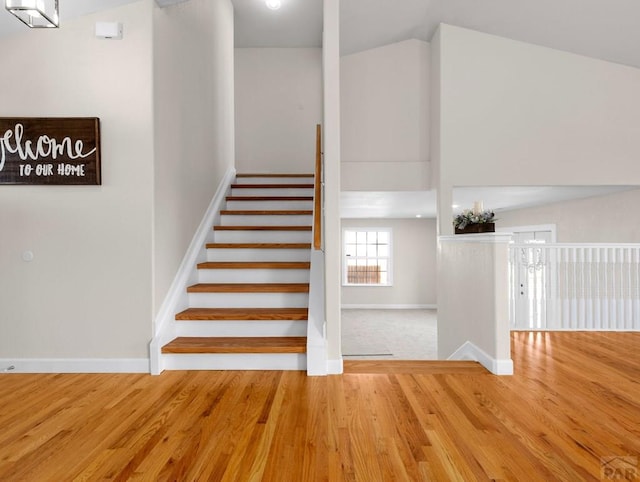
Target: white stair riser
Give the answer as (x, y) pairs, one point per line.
(262, 236)
(248, 300)
(241, 328)
(274, 180)
(235, 361)
(253, 275)
(269, 205)
(266, 220)
(247, 254)
(258, 191)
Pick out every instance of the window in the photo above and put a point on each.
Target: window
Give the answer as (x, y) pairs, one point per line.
(367, 257)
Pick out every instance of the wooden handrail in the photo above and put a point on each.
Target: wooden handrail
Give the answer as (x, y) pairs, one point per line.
(317, 198)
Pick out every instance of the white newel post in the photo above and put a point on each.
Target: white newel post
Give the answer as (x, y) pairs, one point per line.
(473, 300)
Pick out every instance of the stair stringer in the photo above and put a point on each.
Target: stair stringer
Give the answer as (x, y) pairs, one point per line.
(164, 326)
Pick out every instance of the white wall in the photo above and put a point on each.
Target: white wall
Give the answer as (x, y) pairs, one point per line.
(87, 293)
(414, 265)
(518, 114)
(385, 118)
(601, 219)
(473, 314)
(278, 104)
(194, 122)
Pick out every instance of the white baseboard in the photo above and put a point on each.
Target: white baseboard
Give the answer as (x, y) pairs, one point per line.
(591, 330)
(74, 365)
(335, 367)
(387, 307)
(469, 351)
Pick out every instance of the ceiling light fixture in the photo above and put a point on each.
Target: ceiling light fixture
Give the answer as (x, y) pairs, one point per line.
(35, 13)
(273, 4)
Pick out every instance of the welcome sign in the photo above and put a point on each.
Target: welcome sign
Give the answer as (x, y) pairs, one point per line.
(50, 150)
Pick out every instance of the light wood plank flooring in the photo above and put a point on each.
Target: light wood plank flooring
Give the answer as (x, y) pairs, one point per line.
(575, 398)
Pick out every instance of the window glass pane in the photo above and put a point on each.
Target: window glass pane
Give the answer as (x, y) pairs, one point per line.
(367, 257)
(350, 250)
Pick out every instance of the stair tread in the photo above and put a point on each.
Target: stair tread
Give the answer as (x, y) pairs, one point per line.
(204, 314)
(258, 245)
(254, 265)
(272, 186)
(274, 175)
(194, 345)
(266, 213)
(262, 228)
(249, 288)
(269, 198)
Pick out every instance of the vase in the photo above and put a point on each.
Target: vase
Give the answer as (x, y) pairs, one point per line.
(477, 228)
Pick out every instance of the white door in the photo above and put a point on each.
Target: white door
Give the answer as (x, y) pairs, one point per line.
(530, 278)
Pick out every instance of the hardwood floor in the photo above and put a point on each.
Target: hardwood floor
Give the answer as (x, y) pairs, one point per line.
(574, 399)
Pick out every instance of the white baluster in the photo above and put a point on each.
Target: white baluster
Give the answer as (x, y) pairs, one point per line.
(589, 289)
(636, 301)
(597, 322)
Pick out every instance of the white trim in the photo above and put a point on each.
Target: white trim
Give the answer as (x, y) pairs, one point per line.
(388, 307)
(335, 367)
(176, 299)
(477, 238)
(577, 330)
(75, 365)
(469, 351)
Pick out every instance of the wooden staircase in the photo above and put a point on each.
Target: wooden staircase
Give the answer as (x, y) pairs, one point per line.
(249, 308)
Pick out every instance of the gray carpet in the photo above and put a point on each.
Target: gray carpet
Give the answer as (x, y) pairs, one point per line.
(389, 335)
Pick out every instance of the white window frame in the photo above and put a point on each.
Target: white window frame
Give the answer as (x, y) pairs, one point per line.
(389, 259)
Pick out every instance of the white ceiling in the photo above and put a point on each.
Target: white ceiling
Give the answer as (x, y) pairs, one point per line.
(604, 29)
(298, 23)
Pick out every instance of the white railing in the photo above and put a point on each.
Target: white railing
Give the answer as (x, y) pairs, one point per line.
(575, 287)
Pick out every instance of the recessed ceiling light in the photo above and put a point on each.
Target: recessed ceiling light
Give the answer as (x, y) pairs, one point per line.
(418, 215)
(273, 4)
(455, 206)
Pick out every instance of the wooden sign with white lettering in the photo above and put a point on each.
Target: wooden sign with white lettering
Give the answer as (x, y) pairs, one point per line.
(39, 150)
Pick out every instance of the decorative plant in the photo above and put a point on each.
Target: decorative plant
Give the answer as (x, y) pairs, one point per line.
(468, 216)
